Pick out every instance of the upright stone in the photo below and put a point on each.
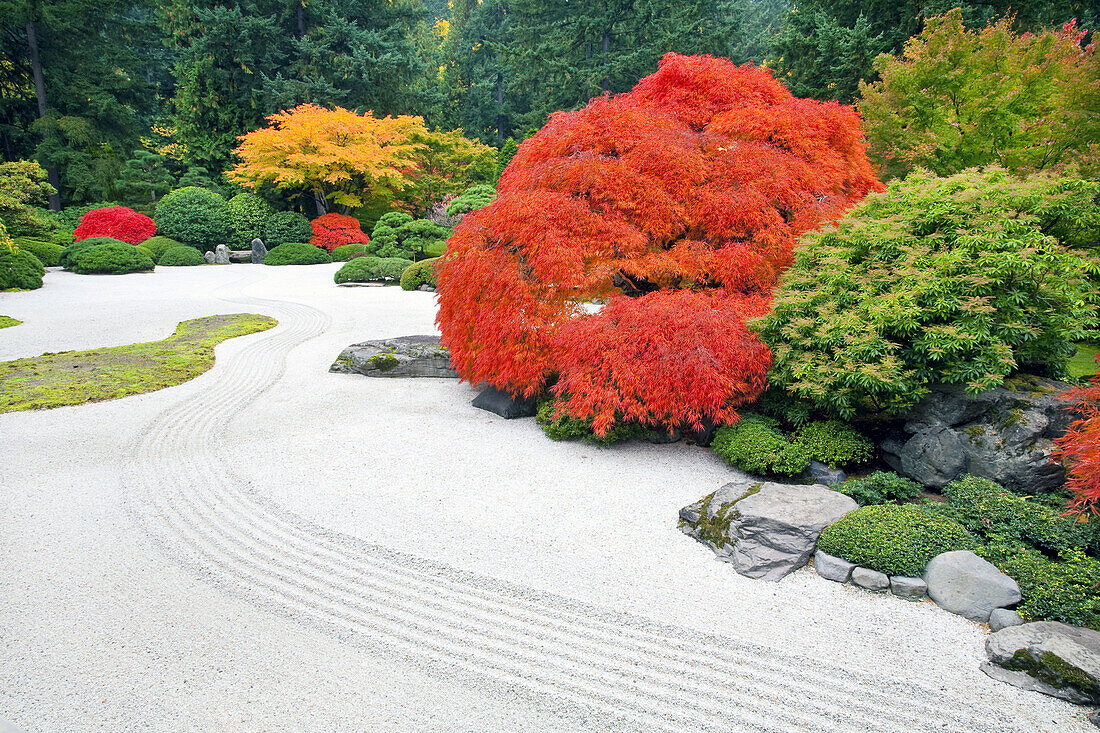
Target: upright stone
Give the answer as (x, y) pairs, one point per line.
(221, 255)
(209, 257)
(259, 251)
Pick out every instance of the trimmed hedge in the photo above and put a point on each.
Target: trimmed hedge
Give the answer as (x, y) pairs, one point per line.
(896, 539)
(159, 245)
(297, 253)
(881, 487)
(248, 213)
(194, 216)
(181, 256)
(419, 273)
(20, 270)
(47, 252)
(371, 269)
(66, 257)
(111, 259)
(284, 227)
(345, 252)
(755, 444)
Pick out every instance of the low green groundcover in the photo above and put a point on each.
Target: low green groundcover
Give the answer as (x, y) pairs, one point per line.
(297, 253)
(111, 259)
(181, 256)
(20, 270)
(372, 269)
(8, 322)
(76, 377)
(881, 487)
(419, 273)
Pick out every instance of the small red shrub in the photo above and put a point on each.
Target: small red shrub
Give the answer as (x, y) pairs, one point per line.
(334, 230)
(119, 222)
(1079, 448)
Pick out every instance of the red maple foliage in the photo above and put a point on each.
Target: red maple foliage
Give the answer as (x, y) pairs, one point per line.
(119, 222)
(679, 203)
(1079, 448)
(333, 230)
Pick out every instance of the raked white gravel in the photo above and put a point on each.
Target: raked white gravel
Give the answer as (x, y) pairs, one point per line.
(274, 547)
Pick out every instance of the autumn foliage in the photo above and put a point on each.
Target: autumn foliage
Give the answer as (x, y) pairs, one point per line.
(678, 203)
(333, 230)
(118, 222)
(1079, 448)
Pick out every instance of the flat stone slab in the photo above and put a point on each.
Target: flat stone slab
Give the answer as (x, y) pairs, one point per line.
(833, 568)
(963, 583)
(405, 356)
(870, 579)
(911, 589)
(508, 406)
(240, 255)
(1049, 657)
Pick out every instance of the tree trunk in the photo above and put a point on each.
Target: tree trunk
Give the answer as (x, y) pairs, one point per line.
(320, 204)
(500, 109)
(605, 83)
(40, 91)
(301, 12)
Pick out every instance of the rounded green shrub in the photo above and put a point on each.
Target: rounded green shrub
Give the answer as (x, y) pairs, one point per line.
(896, 539)
(158, 245)
(473, 198)
(399, 235)
(283, 227)
(345, 252)
(194, 216)
(371, 269)
(247, 214)
(111, 259)
(834, 443)
(756, 445)
(20, 270)
(181, 256)
(880, 487)
(146, 251)
(297, 253)
(47, 252)
(66, 257)
(419, 273)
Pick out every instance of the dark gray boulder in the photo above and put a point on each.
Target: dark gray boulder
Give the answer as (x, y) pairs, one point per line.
(1005, 434)
(833, 568)
(764, 529)
(870, 579)
(405, 356)
(1049, 657)
(258, 251)
(1002, 618)
(911, 589)
(221, 255)
(963, 583)
(819, 473)
(506, 405)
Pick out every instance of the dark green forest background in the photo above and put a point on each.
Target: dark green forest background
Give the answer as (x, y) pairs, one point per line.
(101, 91)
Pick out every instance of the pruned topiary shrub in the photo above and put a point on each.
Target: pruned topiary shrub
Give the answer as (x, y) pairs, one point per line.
(181, 256)
(284, 227)
(473, 198)
(111, 258)
(297, 253)
(756, 445)
(419, 273)
(371, 269)
(119, 222)
(47, 252)
(345, 252)
(248, 213)
(880, 487)
(896, 539)
(194, 216)
(159, 245)
(399, 235)
(66, 257)
(1065, 589)
(20, 270)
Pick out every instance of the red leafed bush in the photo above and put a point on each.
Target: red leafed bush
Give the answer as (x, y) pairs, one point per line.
(334, 230)
(679, 202)
(1079, 448)
(118, 222)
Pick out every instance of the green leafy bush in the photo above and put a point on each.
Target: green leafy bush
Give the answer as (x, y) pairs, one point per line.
(158, 245)
(419, 273)
(896, 539)
(194, 216)
(399, 235)
(1066, 589)
(248, 214)
(371, 269)
(66, 258)
(756, 445)
(284, 227)
(181, 256)
(47, 252)
(345, 252)
(297, 253)
(111, 258)
(145, 251)
(950, 280)
(20, 270)
(473, 198)
(880, 487)
(834, 443)
(559, 425)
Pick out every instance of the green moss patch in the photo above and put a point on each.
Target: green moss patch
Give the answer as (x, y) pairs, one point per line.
(96, 375)
(8, 322)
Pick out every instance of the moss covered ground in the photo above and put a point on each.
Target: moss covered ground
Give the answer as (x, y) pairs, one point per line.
(8, 321)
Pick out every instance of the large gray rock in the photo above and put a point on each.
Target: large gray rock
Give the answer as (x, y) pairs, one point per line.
(1005, 434)
(240, 255)
(504, 404)
(870, 579)
(822, 474)
(209, 257)
(258, 251)
(1002, 618)
(764, 529)
(221, 255)
(963, 583)
(833, 568)
(1048, 657)
(405, 356)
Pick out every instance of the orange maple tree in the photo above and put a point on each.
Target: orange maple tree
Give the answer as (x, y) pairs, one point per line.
(333, 230)
(678, 203)
(1079, 448)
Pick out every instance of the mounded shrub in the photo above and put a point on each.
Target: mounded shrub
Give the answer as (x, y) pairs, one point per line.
(196, 217)
(181, 256)
(371, 269)
(881, 487)
(297, 253)
(159, 245)
(1063, 590)
(419, 273)
(896, 539)
(47, 252)
(834, 443)
(66, 257)
(333, 230)
(286, 226)
(473, 198)
(112, 258)
(756, 445)
(119, 222)
(345, 252)
(248, 213)
(20, 270)
(399, 235)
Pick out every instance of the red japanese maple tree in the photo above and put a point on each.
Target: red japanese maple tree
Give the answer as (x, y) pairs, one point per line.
(1079, 448)
(333, 230)
(679, 204)
(119, 222)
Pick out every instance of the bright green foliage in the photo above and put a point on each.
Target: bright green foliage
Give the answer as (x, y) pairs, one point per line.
(881, 487)
(144, 177)
(286, 226)
(834, 443)
(112, 259)
(507, 151)
(158, 245)
(960, 98)
(66, 258)
(6, 242)
(194, 216)
(145, 251)
(559, 425)
(445, 164)
(47, 252)
(23, 187)
(755, 444)
(345, 252)
(1054, 590)
(248, 213)
(181, 256)
(937, 280)
(20, 270)
(297, 253)
(8, 322)
(372, 269)
(399, 235)
(420, 273)
(896, 539)
(473, 198)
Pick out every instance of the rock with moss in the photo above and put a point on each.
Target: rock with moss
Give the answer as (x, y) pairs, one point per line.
(1049, 657)
(405, 356)
(766, 530)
